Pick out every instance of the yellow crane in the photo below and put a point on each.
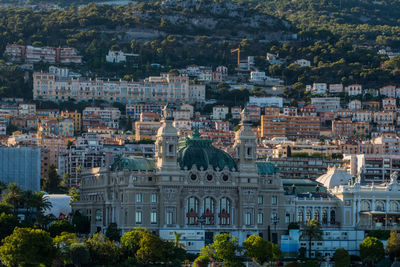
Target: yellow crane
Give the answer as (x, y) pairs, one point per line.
(238, 58)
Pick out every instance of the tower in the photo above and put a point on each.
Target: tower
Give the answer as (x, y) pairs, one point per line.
(245, 146)
(166, 145)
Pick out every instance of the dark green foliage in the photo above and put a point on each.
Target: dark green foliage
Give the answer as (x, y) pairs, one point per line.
(8, 222)
(113, 232)
(79, 254)
(52, 182)
(293, 225)
(59, 226)
(81, 223)
(341, 258)
(103, 251)
(380, 234)
(28, 247)
(371, 250)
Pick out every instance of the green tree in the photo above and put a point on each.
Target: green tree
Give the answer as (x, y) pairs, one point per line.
(63, 243)
(8, 222)
(393, 245)
(74, 193)
(102, 250)
(341, 258)
(27, 247)
(371, 250)
(152, 249)
(79, 254)
(225, 247)
(60, 226)
(81, 223)
(177, 236)
(52, 181)
(113, 232)
(258, 249)
(130, 241)
(13, 196)
(311, 231)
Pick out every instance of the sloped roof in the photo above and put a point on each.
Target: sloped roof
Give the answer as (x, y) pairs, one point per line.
(334, 177)
(265, 167)
(133, 163)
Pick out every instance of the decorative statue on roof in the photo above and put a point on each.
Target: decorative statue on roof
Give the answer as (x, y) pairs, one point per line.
(393, 177)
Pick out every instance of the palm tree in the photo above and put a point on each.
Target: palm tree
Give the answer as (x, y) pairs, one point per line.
(13, 196)
(28, 199)
(311, 231)
(177, 236)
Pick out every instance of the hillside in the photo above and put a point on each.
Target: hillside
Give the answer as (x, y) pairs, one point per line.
(366, 22)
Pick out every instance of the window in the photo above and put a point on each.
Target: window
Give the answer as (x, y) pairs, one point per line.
(153, 217)
(260, 199)
(274, 200)
(138, 217)
(138, 197)
(170, 149)
(153, 198)
(260, 218)
(287, 218)
(99, 215)
(300, 217)
(169, 217)
(247, 218)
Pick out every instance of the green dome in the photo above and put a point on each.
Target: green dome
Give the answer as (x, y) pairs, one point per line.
(202, 153)
(132, 163)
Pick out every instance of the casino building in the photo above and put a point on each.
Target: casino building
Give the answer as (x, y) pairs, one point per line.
(190, 187)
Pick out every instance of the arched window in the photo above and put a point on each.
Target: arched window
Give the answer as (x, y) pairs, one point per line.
(192, 206)
(300, 216)
(394, 206)
(365, 206)
(99, 215)
(333, 217)
(324, 217)
(316, 215)
(224, 211)
(379, 206)
(308, 215)
(209, 210)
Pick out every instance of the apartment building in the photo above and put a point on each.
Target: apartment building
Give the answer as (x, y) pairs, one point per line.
(26, 109)
(292, 127)
(388, 91)
(353, 89)
(355, 104)
(160, 90)
(220, 112)
(304, 167)
(335, 88)
(326, 104)
(31, 54)
(375, 168)
(147, 126)
(254, 112)
(56, 126)
(134, 110)
(51, 148)
(95, 116)
(76, 117)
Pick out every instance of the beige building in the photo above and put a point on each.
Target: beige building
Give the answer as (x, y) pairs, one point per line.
(161, 90)
(196, 188)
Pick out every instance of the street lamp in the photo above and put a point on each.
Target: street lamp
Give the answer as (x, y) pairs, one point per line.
(275, 221)
(201, 220)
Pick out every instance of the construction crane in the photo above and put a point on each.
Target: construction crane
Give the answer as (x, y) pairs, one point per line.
(238, 58)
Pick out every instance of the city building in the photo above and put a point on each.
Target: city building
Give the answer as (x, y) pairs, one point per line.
(220, 112)
(326, 104)
(353, 89)
(95, 116)
(265, 101)
(161, 90)
(76, 117)
(235, 195)
(317, 88)
(134, 110)
(292, 127)
(20, 165)
(303, 62)
(120, 57)
(388, 91)
(31, 54)
(336, 88)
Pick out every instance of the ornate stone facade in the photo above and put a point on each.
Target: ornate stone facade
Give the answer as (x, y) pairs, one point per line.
(189, 186)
